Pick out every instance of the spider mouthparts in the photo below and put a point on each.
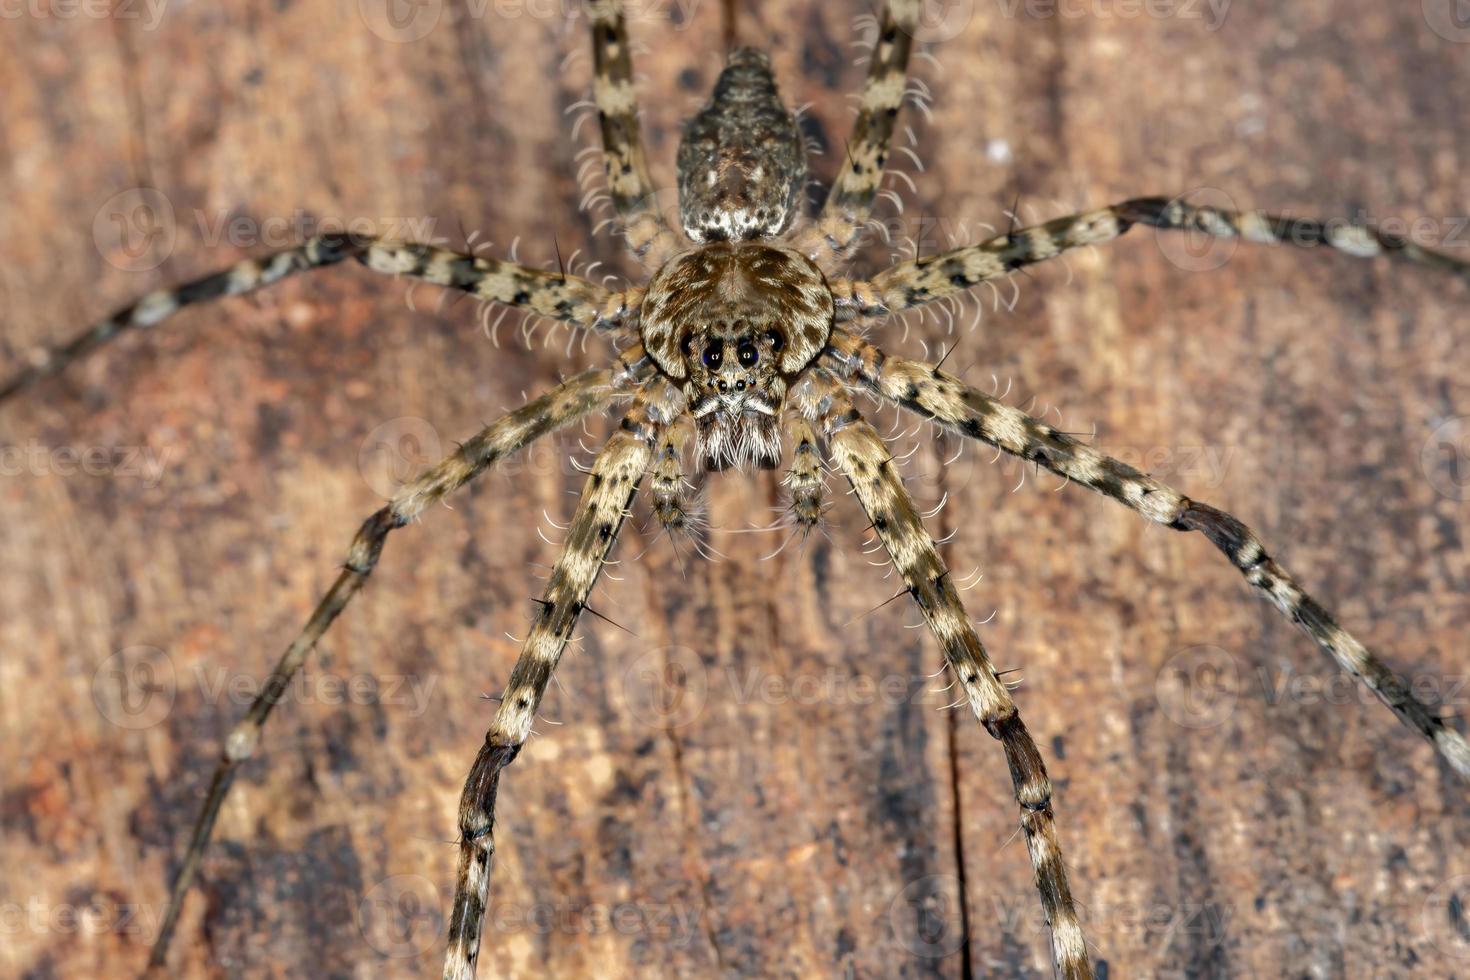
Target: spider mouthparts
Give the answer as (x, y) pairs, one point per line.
(746, 439)
(719, 464)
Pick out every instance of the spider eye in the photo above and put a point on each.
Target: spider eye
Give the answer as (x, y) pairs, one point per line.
(714, 355)
(747, 354)
(777, 341)
(686, 344)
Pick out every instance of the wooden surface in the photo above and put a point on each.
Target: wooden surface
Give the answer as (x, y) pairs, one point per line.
(798, 806)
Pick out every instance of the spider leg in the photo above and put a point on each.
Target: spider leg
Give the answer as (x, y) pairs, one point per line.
(804, 478)
(609, 492)
(628, 181)
(858, 451)
(550, 294)
(924, 389)
(932, 277)
(850, 201)
(573, 399)
(667, 486)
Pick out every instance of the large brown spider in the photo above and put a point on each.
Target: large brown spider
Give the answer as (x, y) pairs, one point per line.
(747, 337)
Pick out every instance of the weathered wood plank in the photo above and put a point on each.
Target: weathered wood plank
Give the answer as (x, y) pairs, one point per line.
(784, 817)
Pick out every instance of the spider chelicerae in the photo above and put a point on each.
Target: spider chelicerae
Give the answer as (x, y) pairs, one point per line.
(748, 346)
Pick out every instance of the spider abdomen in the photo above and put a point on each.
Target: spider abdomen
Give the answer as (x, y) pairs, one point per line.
(741, 161)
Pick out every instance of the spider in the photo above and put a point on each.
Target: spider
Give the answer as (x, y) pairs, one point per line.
(753, 334)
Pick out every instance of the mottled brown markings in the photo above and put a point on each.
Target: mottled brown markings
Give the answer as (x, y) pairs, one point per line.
(551, 294)
(162, 303)
(765, 286)
(668, 488)
(742, 163)
(867, 151)
(705, 310)
(1246, 552)
(858, 452)
(804, 478)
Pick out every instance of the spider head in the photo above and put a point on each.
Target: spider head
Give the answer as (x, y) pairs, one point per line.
(733, 324)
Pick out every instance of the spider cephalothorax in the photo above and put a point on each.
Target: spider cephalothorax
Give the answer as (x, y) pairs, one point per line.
(732, 324)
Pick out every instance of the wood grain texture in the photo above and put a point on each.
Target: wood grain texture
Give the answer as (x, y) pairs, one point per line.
(801, 808)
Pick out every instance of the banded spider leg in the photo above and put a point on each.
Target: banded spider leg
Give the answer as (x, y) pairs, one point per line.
(943, 398)
(629, 185)
(849, 203)
(933, 277)
(608, 494)
(559, 296)
(858, 452)
(572, 400)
